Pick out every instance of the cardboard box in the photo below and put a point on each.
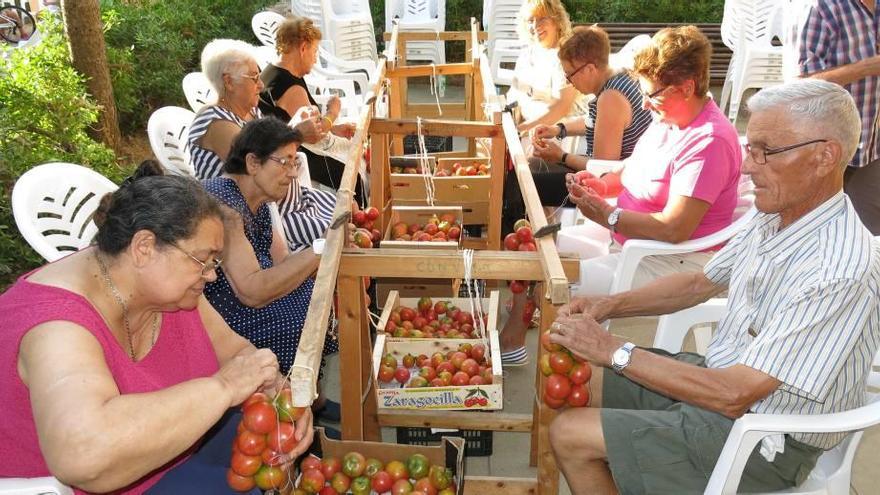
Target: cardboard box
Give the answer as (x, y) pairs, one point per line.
(420, 215)
(450, 453)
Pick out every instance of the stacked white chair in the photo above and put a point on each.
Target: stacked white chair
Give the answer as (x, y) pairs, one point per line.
(500, 19)
(419, 15)
(167, 129)
(748, 28)
(53, 205)
(198, 91)
(347, 23)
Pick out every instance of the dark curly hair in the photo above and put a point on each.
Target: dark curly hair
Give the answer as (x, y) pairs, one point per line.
(169, 206)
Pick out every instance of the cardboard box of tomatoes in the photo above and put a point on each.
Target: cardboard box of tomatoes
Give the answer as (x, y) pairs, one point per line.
(431, 317)
(361, 468)
(424, 227)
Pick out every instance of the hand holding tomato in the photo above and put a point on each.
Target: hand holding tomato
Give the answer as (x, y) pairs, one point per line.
(589, 202)
(303, 434)
(585, 338)
(244, 374)
(547, 149)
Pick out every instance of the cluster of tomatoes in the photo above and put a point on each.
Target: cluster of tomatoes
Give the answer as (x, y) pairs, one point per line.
(567, 376)
(607, 186)
(361, 232)
(466, 366)
(265, 434)
(522, 238)
(430, 320)
(437, 229)
(460, 170)
(358, 475)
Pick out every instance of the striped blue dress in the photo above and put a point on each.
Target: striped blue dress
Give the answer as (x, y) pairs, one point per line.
(639, 121)
(276, 326)
(305, 212)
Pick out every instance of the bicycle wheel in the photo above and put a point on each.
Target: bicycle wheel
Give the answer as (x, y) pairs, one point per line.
(16, 24)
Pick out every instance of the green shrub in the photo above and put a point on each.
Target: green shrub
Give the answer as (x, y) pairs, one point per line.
(44, 115)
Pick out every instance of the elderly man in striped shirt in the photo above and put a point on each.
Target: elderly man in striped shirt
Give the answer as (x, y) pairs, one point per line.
(803, 323)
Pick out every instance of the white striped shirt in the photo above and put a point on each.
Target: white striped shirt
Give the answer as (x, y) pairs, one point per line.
(803, 307)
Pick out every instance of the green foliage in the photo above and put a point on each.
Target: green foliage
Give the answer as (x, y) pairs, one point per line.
(152, 44)
(44, 115)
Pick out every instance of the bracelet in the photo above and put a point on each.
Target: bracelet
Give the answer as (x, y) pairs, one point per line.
(562, 160)
(329, 121)
(563, 132)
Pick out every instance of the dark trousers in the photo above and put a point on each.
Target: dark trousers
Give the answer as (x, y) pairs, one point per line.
(328, 171)
(862, 185)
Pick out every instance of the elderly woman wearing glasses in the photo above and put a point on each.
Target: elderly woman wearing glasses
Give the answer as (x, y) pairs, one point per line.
(262, 290)
(114, 369)
(682, 180)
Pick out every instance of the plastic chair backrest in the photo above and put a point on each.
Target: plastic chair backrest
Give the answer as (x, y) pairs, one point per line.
(198, 91)
(418, 10)
(167, 129)
(53, 206)
(265, 24)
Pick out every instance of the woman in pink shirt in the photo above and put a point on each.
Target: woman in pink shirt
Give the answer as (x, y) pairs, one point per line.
(113, 366)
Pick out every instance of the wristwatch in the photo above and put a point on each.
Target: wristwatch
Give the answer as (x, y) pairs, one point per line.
(563, 132)
(621, 357)
(613, 218)
(562, 160)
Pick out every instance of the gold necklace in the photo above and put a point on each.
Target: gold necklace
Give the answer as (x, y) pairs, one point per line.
(116, 295)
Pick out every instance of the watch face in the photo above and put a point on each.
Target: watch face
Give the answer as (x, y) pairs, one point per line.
(620, 357)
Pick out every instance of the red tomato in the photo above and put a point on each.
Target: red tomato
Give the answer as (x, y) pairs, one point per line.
(401, 375)
(340, 482)
(245, 465)
(250, 443)
(312, 481)
(561, 362)
(579, 396)
(553, 403)
(470, 367)
(260, 417)
(517, 287)
(271, 457)
(386, 374)
(285, 408)
(580, 373)
(511, 242)
(401, 487)
(397, 470)
(460, 378)
(330, 466)
(558, 386)
(381, 482)
(524, 234)
(478, 352)
(269, 477)
(546, 344)
(528, 246)
(424, 485)
(256, 397)
(238, 482)
(328, 490)
(281, 439)
(441, 477)
(372, 213)
(310, 462)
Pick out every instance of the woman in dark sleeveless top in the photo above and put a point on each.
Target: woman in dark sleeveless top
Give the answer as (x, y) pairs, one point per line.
(285, 91)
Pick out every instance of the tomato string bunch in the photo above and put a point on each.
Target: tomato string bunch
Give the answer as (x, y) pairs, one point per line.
(264, 435)
(567, 376)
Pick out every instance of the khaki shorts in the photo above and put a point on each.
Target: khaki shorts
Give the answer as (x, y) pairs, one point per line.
(657, 445)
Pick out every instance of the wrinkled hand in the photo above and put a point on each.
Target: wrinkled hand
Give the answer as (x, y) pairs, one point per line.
(242, 375)
(311, 130)
(578, 307)
(542, 132)
(548, 150)
(585, 338)
(588, 201)
(344, 130)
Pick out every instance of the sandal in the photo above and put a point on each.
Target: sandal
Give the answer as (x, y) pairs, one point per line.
(516, 357)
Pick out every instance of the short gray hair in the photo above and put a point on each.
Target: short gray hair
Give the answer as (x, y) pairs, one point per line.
(815, 102)
(224, 56)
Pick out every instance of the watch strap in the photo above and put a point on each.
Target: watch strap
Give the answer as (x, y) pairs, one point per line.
(613, 218)
(563, 132)
(619, 367)
(562, 160)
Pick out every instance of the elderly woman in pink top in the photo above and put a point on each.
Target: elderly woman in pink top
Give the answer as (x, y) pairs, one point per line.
(113, 366)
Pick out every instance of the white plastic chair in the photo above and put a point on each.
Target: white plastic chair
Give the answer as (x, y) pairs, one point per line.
(625, 57)
(53, 206)
(264, 25)
(167, 129)
(33, 486)
(419, 15)
(198, 91)
(500, 18)
(833, 471)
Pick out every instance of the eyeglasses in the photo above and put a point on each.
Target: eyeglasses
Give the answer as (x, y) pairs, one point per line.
(288, 164)
(569, 76)
(253, 77)
(759, 154)
(207, 268)
(653, 96)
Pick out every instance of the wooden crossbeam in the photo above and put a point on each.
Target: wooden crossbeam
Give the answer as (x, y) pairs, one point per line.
(433, 127)
(465, 420)
(429, 70)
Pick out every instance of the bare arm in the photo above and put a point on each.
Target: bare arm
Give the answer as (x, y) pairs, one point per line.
(556, 110)
(219, 136)
(253, 285)
(850, 73)
(294, 98)
(109, 440)
(728, 391)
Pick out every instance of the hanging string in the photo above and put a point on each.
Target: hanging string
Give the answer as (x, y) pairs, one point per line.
(474, 293)
(434, 86)
(425, 163)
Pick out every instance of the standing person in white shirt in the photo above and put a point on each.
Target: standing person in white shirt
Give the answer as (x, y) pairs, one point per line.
(802, 327)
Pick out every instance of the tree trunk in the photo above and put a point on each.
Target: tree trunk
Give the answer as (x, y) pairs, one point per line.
(82, 24)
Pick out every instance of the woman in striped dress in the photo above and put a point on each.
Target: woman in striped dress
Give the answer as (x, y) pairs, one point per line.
(233, 72)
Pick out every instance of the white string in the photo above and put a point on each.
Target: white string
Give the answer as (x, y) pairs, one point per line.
(425, 163)
(474, 295)
(434, 86)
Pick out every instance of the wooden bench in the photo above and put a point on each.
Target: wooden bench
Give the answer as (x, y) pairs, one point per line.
(620, 33)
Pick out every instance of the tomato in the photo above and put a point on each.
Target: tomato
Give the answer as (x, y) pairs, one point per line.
(360, 486)
(440, 307)
(579, 396)
(372, 213)
(558, 386)
(460, 378)
(389, 360)
(310, 462)
(553, 403)
(245, 465)
(598, 187)
(250, 443)
(547, 345)
(340, 482)
(424, 486)
(260, 417)
(238, 482)
(458, 359)
(446, 491)
(271, 457)
(428, 373)
(524, 234)
(580, 373)
(353, 464)
(517, 287)
(441, 477)
(478, 352)
(256, 397)
(470, 367)
(561, 362)
(409, 361)
(269, 477)
(285, 409)
(330, 466)
(511, 242)
(381, 482)
(312, 481)
(281, 439)
(328, 490)
(386, 374)
(401, 375)
(522, 222)
(401, 487)
(417, 465)
(397, 470)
